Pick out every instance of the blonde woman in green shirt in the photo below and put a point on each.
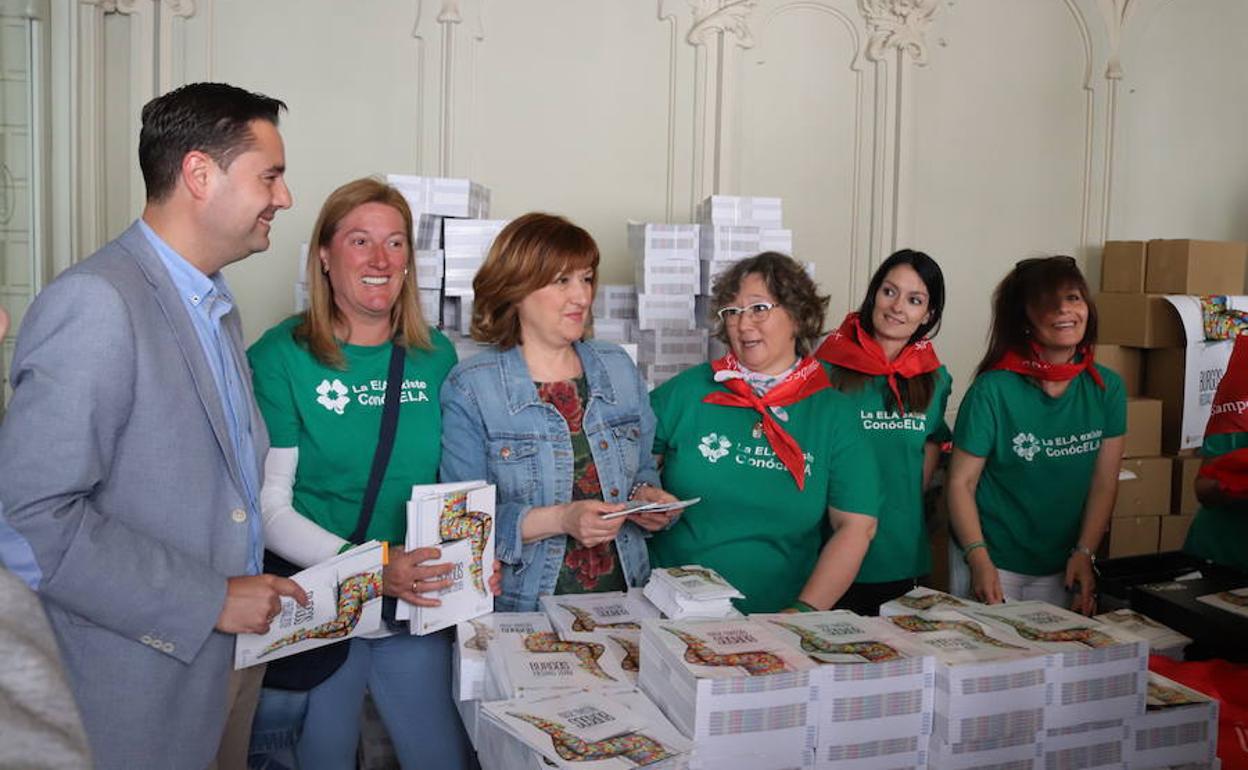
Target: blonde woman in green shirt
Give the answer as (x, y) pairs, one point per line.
(1037, 444)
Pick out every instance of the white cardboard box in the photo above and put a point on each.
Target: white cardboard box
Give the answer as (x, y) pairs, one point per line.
(739, 210)
(442, 196)
(649, 240)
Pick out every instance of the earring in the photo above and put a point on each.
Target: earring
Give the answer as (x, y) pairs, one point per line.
(325, 268)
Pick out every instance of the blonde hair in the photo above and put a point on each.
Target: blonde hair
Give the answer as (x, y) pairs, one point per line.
(316, 329)
(530, 253)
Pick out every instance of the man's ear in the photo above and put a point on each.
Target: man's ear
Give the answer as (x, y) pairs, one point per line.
(198, 169)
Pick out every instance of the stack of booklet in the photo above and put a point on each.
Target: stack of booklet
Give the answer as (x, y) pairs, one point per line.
(1180, 727)
(739, 690)
(344, 601)
(691, 591)
(540, 664)
(579, 729)
(612, 618)
(1162, 640)
(459, 520)
(472, 639)
(873, 688)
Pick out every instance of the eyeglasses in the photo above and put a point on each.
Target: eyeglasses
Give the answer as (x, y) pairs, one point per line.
(757, 312)
(1033, 261)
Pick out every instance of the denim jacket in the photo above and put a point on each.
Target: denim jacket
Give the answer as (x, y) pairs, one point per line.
(496, 428)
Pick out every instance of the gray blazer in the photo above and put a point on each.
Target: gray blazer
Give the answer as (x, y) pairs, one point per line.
(121, 504)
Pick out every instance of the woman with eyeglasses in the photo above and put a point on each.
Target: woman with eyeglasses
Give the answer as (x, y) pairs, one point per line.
(883, 360)
(1037, 444)
(766, 442)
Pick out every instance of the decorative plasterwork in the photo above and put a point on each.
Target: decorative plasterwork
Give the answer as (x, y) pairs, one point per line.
(115, 6)
(182, 8)
(1115, 13)
(732, 19)
(898, 24)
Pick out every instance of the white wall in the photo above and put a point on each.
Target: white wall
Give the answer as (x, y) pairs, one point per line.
(981, 131)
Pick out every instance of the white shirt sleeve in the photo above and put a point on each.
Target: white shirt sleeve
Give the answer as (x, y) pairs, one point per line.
(287, 532)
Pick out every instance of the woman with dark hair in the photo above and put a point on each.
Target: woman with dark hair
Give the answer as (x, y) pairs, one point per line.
(882, 359)
(1038, 443)
(766, 442)
(560, 424)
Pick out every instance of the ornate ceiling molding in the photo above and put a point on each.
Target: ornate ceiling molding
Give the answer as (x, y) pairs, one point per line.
(732, 19)
(898, 24)
(115, 6)
(184, 9)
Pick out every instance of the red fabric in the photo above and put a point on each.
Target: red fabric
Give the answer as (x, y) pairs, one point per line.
(1229, 413)
(1035, 366)
(1230, 471)
(851, 347)
(805, 380)
(1228, 683)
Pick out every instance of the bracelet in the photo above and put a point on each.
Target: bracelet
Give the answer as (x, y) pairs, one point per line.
(1083, 549)
(632, 493)
(802, 606)
(966, 552)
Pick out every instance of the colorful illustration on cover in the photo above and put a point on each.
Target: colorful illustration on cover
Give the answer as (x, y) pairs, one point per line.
(635, 747)
(457, 523)
(587, 653)
(353, 594)
(699, 653)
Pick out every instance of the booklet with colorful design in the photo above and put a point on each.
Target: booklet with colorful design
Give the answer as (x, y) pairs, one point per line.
(344, 600)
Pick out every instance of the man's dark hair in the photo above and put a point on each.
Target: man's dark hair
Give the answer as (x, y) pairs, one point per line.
(213, 118)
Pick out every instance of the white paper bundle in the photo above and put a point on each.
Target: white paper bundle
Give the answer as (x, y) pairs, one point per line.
(1096, 671)
(1234, 601)
(988, 684)
(1161, 639)
(576, 616)
(1019, 751)
(428, 231)
(458, 519)
(662, 311)
(616, 301)
(429, 269)
(873, 682)
(710, 271)
(344, 601)
(617, 330)
(672, 346)
(691, 591)
(667, 276)
(921, 599)
(582, 730)
(1088, 745)
(730, 243)
(430, 305)
(540, 664)
(472, 640)
(649, 240)
(734, 687)
(902, 752)
(657, 374)
(470, 237)
(739, 210)
(1180, 727)
(442, 196)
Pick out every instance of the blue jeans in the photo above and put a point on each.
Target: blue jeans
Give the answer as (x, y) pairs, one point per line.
(276, 728)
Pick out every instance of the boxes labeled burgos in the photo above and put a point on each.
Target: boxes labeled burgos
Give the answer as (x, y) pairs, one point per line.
(1137, 320)
(1134, 535)
(1144, 487)
(1195, 267)
(1127, 363)
(1122, 266)
(1143, 428)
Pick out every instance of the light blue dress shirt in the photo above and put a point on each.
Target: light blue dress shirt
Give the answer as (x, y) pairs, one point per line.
(208, 301)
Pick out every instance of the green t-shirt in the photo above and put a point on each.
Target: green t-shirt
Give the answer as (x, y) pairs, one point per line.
(900, 548)
(1039, 455)
(1220, 534)
(753, 525)
(333, 418)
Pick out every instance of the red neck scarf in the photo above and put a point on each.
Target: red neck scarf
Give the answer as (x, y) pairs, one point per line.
(806, 379)
(851, 347)
(1035, 366)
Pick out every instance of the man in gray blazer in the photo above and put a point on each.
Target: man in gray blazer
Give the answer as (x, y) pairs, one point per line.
(131, 454)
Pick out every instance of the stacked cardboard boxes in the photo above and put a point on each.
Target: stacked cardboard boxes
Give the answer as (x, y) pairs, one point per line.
(1145, 339)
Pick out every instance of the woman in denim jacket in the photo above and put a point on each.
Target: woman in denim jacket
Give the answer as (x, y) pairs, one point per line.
(561, 425)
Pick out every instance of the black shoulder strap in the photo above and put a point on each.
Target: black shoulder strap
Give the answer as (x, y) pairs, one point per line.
(385, 442)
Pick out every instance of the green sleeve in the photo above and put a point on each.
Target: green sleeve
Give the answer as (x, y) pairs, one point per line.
(938, 430)
(272, 383)
(1115, 405)
(853, 475)
(976, 429)
(1218, 444)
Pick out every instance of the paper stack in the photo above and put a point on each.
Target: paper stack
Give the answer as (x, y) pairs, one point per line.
(1088, 746)
(739, 210)
(1161, 639)
(540, 664)
(990, 687)
(344, 601)
(691, 591)
(459, 519)
(734, 228)
(873, 688)
(465, 244)
(680, 348)
(581, 730)
(472, 640)
(741, 692)
(429, 268)
(443, 197)
(1180, 727)
(580, 616)
(922, 599)
(665, 259)
(615, 301)
(1096, 672)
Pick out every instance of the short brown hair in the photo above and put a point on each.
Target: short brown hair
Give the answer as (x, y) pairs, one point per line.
(788, 282)
(407, 323)
(530, 253)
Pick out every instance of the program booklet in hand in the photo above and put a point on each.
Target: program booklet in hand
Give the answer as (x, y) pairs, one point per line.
(458, 519)
(344, 600)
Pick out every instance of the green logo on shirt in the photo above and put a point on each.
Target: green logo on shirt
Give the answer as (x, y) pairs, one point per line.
(1026, 445)
(714, 447)
(338, 401)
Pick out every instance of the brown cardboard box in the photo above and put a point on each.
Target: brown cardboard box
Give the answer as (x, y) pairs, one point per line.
(1195, 267)
(1143, 428)
(1122, 266)
(1138, 321)
(1127, 363)
(1164, 376)
(1183, 486)
(1144, 487)
(1134, 535)
(1173, 532)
